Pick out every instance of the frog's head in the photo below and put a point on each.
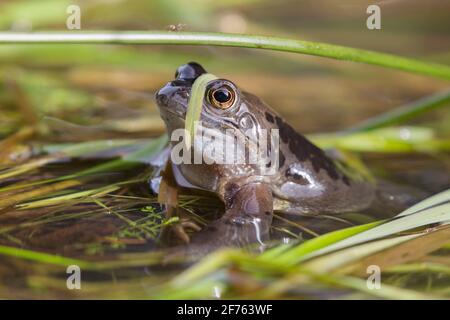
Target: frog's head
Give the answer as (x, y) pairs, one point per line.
(225, 109)
(224, 105)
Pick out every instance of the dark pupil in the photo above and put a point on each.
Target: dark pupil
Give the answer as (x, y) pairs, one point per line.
(222, 95)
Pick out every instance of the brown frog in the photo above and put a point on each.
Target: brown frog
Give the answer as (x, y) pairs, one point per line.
(307, 180)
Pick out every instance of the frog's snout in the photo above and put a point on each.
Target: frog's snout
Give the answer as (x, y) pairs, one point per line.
(177, 90)
(189, 71)
(163, 95)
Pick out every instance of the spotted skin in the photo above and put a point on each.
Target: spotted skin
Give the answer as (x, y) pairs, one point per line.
(307, 182)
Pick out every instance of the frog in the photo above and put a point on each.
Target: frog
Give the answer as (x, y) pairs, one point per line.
(307, 181)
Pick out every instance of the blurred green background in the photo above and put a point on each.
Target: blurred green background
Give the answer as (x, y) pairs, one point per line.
(95, 84)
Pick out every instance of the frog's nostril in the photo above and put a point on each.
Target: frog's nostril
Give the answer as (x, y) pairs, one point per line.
(170, 91)
(161, 98)
(189, 71)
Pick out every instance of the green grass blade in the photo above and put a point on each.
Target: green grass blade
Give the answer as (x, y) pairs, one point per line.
(68, 197)
(140, 156)
(439, 198)
(335, 260)
(41, 257)
(83, 149)
(297, 253)
(232, 40)
(195, 105)
(144, 154)
(420, 267)
(385, 292)
(434, 214)
(404, 113)
(385, 140)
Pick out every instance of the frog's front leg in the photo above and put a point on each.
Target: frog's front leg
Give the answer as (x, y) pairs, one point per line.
(168, 195)
(247, 219)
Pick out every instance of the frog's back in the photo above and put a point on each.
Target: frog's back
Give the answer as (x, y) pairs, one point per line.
(308, 180)
(312, 182)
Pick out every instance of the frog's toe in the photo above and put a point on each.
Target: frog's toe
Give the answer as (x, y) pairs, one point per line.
(179, 232)
(189, 224)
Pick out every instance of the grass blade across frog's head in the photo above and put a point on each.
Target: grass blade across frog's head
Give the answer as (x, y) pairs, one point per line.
(180, 101)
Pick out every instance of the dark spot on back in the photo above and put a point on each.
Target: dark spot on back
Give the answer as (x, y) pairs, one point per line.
(346, 180)
(282, 159)
(284, 131)
(269, 117)
(305, 150)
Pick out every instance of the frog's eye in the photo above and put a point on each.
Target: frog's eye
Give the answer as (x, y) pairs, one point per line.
(222, 97)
